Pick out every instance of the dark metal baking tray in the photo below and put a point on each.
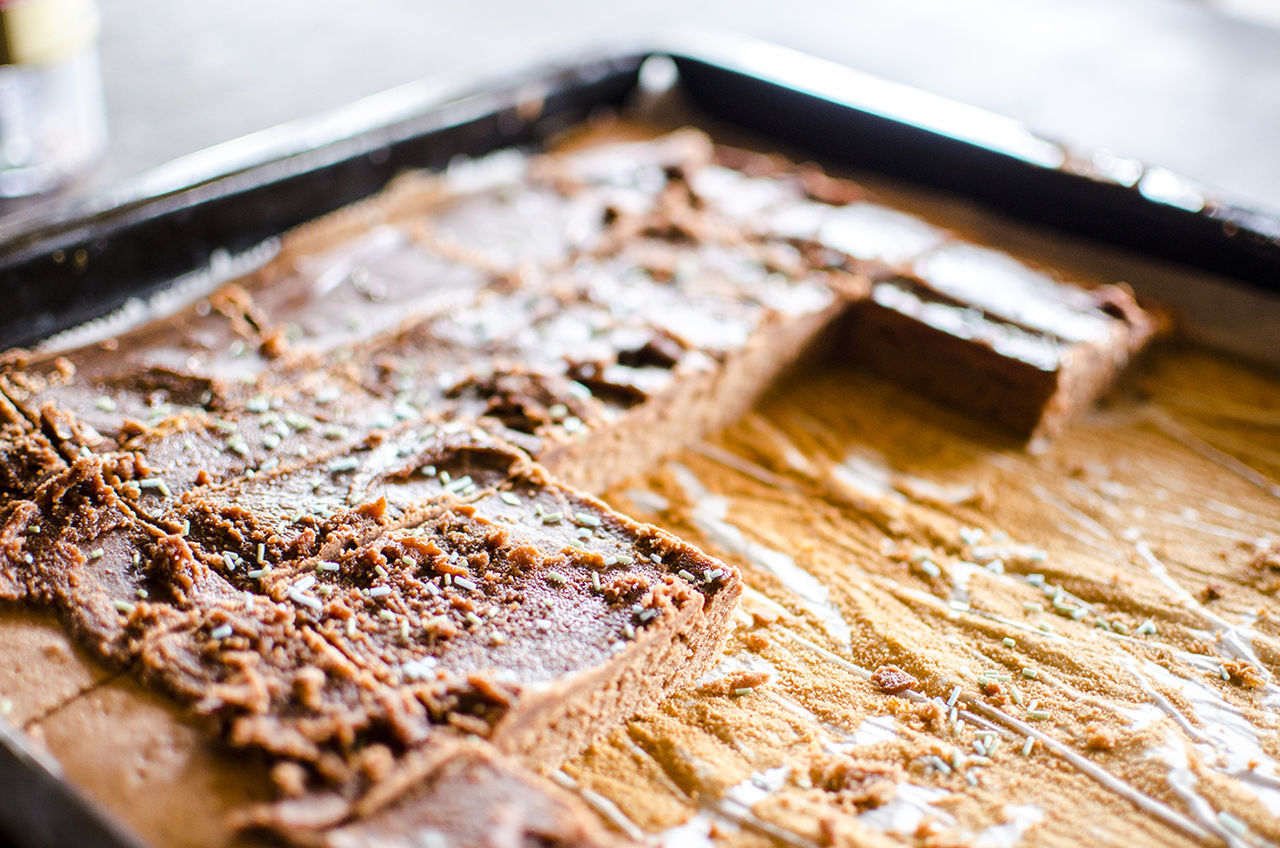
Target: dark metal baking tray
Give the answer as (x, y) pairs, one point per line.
(64, 265)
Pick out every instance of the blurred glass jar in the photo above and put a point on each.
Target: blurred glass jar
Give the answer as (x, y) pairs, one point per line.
(52, 120)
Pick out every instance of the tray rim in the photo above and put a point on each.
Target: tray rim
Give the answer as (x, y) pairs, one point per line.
(368, 122)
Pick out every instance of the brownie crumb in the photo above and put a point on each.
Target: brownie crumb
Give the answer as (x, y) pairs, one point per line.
(859, 784)
(892, 679)
(290, 778)
(1099, 737)
(1210, 592)
(1267, 559)
(738, 683)
(1243, 674)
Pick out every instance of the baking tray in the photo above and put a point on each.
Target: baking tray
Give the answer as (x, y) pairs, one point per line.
(202, 217)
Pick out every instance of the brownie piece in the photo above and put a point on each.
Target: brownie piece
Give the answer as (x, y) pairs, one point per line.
(86, 397)
(971, 326)
(331, 287)
(612, 362)
(457, 794)
(532, 616)
(510, 212)
(999, 339)
(75, 547)
(475, 617)
(27, 458)
(344, 496)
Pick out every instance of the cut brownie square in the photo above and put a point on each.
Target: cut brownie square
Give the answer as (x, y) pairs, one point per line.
(532, 616)
(319, 296)
(86, 397)
(345, 496)
(613, 362)
(495, 617)
(511, 213)
(969, 325)
(456, 793)
(999, 339)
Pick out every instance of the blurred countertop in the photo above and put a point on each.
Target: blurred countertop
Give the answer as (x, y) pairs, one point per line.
(1171, 82)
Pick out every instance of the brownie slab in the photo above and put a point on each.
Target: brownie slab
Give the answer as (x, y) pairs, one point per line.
(331, 508)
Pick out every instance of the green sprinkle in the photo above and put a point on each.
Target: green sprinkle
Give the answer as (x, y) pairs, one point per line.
(1009, 642)
(1027, 745)
(458, 484)
(509, 499)
(1037, 715)
(556, 578)
(157, 484)
(1146, 628)
(105, 403)
(344, 463)
(298, 422)
(124, 607)
(586, 519)
(1030, 673)
(1233, 823)
(743, 690)
(96, 553)
(1032, 606)
(552, 517)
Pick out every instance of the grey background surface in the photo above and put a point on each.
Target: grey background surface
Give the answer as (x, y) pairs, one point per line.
(1171, 82)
